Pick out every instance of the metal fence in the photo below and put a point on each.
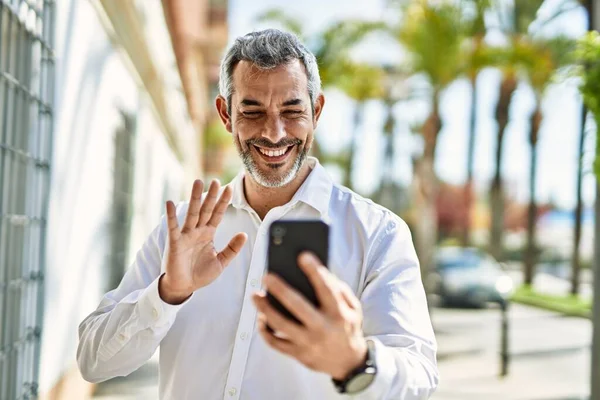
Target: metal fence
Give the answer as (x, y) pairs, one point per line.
(26, 97)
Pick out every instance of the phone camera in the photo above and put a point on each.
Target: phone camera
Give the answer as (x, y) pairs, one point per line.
(279, 231)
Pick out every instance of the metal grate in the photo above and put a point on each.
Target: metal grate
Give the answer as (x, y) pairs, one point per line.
(26, 97)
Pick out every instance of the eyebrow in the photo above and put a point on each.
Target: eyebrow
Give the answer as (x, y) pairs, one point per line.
(293, 102)
(251, 102)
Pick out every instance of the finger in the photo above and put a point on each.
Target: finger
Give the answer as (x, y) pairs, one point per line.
(221, 207)
(350, 298)
(293, 301)
(321, 280)
(191, 219)
(209, 203)
(294, 333)
(232, 249)
(172, 225)
(278, 344)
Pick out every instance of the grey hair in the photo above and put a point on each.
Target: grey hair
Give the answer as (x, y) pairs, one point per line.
(268, 49)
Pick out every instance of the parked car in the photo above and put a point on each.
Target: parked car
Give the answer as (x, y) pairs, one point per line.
(470, 277)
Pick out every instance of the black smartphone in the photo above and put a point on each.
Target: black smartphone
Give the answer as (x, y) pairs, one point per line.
(287, 239)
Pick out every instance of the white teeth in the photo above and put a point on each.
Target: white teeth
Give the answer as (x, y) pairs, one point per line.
(273, 153)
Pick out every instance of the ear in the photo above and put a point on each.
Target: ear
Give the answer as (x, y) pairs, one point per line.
(221, 105)
(318, 109)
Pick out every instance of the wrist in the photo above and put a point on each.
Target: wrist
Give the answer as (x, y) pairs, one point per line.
(359, 358)
(168, 294)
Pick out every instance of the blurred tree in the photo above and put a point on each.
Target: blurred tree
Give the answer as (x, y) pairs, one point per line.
(332, 48)
(516, 19)
(361, 82)
(575, 257)
(588, 54)
(478, 56)
(541, 60)
(431, 33)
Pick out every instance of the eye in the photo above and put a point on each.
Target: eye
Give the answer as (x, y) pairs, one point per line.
(252, 114)
(292, 113)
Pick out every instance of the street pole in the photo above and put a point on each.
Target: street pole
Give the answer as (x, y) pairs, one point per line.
(504, 345)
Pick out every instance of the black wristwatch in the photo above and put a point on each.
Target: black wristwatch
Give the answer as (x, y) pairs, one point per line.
(362, 377)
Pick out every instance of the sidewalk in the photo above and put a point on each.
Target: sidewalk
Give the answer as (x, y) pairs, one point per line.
(550, 358)
(550, 355)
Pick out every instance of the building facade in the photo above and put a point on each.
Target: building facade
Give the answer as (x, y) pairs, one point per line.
(96, 132)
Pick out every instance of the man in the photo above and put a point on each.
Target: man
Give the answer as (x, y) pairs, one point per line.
(371, 337)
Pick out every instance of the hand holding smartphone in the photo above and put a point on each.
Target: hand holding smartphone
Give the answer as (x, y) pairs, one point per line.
(287, 239)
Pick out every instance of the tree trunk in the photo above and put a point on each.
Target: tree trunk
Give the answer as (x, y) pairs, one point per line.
(575, 261)
(531, 251)
(507, 89)
(352, 148)
(468, 195)
(426, 225)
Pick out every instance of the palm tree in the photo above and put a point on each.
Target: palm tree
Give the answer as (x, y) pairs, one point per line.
(361, 82)
(588, 53)
(516, 18)
(477, 58)
(541, 60)
(575, 260)
(332, 47)
(515, 23)
(431, 33)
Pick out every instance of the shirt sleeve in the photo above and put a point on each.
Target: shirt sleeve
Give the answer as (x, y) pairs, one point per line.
(396, 319)
(130, 322)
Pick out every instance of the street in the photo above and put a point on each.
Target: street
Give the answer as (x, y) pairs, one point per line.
(550, 358)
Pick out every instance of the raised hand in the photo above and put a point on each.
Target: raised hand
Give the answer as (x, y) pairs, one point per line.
(192, 261)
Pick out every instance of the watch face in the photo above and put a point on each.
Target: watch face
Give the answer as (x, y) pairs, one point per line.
(360, 382)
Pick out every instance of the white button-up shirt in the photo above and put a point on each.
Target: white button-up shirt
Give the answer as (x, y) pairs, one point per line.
(209, 345)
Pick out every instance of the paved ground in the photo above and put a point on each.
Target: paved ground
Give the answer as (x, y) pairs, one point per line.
(550, 358)
(550, 355)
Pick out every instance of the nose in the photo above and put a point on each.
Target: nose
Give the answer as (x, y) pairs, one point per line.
(274, 129)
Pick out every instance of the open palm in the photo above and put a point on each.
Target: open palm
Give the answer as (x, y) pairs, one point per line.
(192, 261)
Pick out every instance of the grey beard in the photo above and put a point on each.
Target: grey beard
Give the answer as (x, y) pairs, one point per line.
(264, 179)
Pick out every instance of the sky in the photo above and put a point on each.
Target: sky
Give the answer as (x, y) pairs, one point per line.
(559, 135)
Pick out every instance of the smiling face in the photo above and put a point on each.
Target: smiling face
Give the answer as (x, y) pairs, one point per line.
(271, 120)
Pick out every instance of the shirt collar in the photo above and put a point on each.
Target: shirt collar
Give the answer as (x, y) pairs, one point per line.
(315, 191)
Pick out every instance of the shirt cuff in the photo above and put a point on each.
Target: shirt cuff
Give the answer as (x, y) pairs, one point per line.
(386, 373)
(153, 310)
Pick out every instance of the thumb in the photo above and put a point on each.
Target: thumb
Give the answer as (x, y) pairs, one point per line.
(232, 249)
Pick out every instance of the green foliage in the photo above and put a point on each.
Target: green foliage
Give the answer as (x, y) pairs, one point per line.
(432, 33)
(525, 12)
(588, 54)
(541, 59)
(288, 23)
(332, 48)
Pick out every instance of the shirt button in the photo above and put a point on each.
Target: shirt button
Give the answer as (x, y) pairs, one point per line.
(254, 282)
(155, 313)
(122, 337)
(243, 335)
(232, 391)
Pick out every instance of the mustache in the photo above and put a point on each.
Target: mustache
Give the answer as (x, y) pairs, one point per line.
(262, 142)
